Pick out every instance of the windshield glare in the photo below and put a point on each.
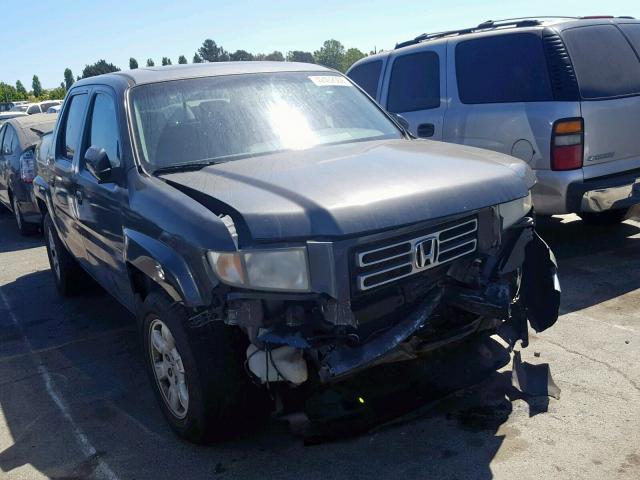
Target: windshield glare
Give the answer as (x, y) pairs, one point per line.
(229, 117)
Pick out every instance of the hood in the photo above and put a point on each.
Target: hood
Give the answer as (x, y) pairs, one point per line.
(341, 190)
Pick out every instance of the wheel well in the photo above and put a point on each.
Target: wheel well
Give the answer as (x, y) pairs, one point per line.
(42, 206)
(141, 284)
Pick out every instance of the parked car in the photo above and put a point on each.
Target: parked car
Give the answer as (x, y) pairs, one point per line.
(562, 94)
(6, 106)
(268, 222)
(54, 109)
(18, 138)
(32, 108)
(4, 116)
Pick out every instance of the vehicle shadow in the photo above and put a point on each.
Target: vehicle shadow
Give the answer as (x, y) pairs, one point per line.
(595, 263)
(10, 238)
(94, 383)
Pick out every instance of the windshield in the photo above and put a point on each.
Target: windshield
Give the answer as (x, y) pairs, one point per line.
(230, 117)
(20, 108)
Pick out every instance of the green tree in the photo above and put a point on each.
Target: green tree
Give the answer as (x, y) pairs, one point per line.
(133, 63)
(37, 87)
(20, 91)
(98, 68)
(182, 59)
(331, 54)
(240, 56)
(8, 92)
(150, 62)
(300, 56)
(275, 56)
(166, 61)
(68, 78)
(196, 58)
(259, 57)
(56, 93)
(351, 56)
(211, 52)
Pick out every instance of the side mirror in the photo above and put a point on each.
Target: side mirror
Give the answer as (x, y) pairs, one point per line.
(98, 164)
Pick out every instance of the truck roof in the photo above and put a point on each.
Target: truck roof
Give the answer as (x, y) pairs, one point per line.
(178, 72)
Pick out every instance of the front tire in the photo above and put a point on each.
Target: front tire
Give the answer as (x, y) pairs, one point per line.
(610, 217)
(197, 373)
(66, 272)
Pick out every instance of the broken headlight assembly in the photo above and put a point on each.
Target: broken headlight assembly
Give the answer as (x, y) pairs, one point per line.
(511, 212)
(283, 269)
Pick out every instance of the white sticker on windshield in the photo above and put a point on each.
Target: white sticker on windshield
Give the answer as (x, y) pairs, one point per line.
(329, 81)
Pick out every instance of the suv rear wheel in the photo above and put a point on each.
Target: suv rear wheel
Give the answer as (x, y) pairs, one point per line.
(197, 373)
(610, 217)
(67, 273)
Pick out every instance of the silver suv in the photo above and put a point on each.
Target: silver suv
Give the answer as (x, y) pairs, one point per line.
(562, 94)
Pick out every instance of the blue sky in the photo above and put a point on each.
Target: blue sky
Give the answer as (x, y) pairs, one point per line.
(44, 37)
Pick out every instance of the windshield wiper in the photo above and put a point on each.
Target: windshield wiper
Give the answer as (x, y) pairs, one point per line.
(183, 167)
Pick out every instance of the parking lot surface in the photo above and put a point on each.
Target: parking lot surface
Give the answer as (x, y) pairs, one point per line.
(76, 403)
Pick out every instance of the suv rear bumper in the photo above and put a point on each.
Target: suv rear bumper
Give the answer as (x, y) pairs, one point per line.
(605, 193)
(569, 192)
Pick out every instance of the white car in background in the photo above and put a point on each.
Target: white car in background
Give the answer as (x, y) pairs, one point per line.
(31, 108)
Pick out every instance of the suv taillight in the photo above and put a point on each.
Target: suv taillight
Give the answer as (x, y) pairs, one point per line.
(27, 166)
(567, 144)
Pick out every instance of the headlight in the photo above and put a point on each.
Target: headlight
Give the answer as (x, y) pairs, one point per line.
(283, 269)
(512, 212)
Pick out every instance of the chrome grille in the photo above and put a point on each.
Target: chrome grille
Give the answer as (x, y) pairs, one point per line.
(398, 258)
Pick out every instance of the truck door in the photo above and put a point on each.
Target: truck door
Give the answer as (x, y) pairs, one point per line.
(99, 203)
(415, 88)
(62, 179)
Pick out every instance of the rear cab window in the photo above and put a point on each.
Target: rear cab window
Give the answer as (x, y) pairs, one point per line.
(415, 83)
(71, 129)
(605, 63)
(367, 75)
(502, 69)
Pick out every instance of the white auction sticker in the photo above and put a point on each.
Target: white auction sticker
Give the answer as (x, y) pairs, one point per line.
(329, 81)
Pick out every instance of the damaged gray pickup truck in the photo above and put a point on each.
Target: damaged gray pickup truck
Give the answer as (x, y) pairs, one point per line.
(271, 226)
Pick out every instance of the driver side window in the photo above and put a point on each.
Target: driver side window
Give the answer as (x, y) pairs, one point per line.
(104, 128)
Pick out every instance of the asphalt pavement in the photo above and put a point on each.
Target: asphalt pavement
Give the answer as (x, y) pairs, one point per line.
(75, 402)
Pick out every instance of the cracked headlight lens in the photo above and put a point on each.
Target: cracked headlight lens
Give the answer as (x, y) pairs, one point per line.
(512, 212)
(282, 269)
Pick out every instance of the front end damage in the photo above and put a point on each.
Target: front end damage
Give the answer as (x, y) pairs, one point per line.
(360, 315)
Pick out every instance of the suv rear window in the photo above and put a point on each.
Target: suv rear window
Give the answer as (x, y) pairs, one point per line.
(606, 66)
(503, 69)
(367, 76)
(415, 83)
(632, 32)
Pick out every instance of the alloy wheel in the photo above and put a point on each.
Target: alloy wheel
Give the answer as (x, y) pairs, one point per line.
(168, 369)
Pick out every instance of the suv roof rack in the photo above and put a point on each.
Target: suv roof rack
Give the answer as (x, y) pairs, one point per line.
(488, 25)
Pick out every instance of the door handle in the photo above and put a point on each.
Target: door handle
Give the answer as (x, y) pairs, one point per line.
(79, 197)
(426, 130)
